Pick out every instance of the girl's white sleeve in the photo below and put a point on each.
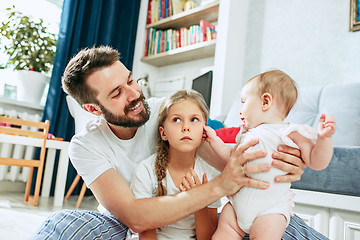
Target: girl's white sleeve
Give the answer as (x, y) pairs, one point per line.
(143, 181)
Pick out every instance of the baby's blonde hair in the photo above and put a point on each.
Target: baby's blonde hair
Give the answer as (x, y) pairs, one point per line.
(281, 86)
(162, 157)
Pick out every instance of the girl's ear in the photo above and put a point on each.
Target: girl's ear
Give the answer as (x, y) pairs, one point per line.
(266, 101)
(92, 108)
(162, 133)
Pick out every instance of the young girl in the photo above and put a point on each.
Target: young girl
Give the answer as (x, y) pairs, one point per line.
(267, 99)
(182, 118)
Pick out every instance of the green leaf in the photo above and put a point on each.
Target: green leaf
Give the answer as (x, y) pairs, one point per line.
(30, 44)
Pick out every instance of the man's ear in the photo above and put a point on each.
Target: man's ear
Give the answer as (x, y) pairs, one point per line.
(92, 108)
(266, 101)
(162, 133)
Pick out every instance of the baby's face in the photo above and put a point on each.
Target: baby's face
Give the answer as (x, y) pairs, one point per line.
(251, 112)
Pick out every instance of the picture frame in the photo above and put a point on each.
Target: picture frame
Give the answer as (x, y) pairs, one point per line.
(354, 15)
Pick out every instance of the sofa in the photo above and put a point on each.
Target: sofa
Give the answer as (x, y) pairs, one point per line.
(340, 181)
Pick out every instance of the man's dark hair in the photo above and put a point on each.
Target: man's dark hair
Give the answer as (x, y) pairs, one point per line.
(83, 64)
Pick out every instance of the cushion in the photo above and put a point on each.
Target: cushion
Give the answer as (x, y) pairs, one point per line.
(81, 116)
(340, 177)
(233, 117)
(215, 124)
(228, 135)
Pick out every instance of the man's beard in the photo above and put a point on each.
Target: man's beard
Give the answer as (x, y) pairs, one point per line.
(124, 120)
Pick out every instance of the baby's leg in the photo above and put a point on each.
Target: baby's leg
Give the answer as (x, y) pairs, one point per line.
(227, 226)
(269, 226)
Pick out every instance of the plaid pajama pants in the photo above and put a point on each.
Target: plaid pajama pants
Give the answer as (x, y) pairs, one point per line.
(86, 225)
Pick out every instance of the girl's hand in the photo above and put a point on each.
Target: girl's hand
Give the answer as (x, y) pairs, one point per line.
(290, 162)
(191, 180)
(327, 126)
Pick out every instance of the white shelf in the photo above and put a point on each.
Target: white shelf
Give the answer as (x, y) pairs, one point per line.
(14, 102)
(184, 54)
(208, 12)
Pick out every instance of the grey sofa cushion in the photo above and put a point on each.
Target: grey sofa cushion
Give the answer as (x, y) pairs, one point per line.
(342, 100)
(340, 177)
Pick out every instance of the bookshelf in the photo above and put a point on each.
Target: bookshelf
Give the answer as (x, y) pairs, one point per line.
(208, 12)
(179, 55)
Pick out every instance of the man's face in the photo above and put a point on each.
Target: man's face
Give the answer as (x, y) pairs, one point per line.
(123, 120)
(119, 99)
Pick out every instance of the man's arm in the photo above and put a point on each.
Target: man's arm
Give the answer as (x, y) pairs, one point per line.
(113, 192)
(286, 159)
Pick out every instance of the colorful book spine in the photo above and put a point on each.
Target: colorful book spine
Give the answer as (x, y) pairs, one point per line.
(204, 26)
(160, 9)
(147, 42)
(159, 40)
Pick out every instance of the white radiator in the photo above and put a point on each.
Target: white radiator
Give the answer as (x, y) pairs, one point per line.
(14, 173)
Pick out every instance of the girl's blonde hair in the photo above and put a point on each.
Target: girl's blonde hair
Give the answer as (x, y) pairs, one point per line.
(281, 86)
(162, 158)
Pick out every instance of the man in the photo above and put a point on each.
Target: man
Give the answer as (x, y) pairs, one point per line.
(107, 152)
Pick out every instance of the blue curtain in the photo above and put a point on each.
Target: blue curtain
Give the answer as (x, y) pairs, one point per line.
(87, 23)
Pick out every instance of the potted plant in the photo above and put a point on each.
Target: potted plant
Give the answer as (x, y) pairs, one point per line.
(31, 49)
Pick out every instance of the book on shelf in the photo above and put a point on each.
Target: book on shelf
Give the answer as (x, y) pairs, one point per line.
(148, 16)
(162, 40)
(160, 9)
(207, 31)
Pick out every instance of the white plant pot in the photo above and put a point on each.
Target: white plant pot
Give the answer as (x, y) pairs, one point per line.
(30, 86)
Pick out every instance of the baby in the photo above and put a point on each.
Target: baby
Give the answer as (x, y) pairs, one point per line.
(267, 99)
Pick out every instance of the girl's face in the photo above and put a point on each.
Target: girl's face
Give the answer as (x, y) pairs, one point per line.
(183, 127)
(251, 111)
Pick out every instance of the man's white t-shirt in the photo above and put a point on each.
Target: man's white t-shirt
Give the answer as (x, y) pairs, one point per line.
(97, 149)
(144, 184)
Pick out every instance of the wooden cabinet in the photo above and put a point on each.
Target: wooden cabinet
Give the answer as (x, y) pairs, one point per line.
(208, 12)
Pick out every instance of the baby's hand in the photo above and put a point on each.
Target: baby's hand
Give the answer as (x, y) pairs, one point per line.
(209, 134)
(327, 125)
(191, 180)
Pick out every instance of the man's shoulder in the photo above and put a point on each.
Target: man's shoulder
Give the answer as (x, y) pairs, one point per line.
(90, 134)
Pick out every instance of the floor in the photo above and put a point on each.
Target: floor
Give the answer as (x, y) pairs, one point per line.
(19, 220)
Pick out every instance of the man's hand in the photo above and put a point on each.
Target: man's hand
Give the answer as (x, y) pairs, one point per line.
(290, 162)
(233, 176)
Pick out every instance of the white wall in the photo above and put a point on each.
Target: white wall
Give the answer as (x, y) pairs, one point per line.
(307, 39)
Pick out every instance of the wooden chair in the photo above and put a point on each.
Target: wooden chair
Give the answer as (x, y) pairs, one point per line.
(81, 117)
(27, 128)
(72, 187)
